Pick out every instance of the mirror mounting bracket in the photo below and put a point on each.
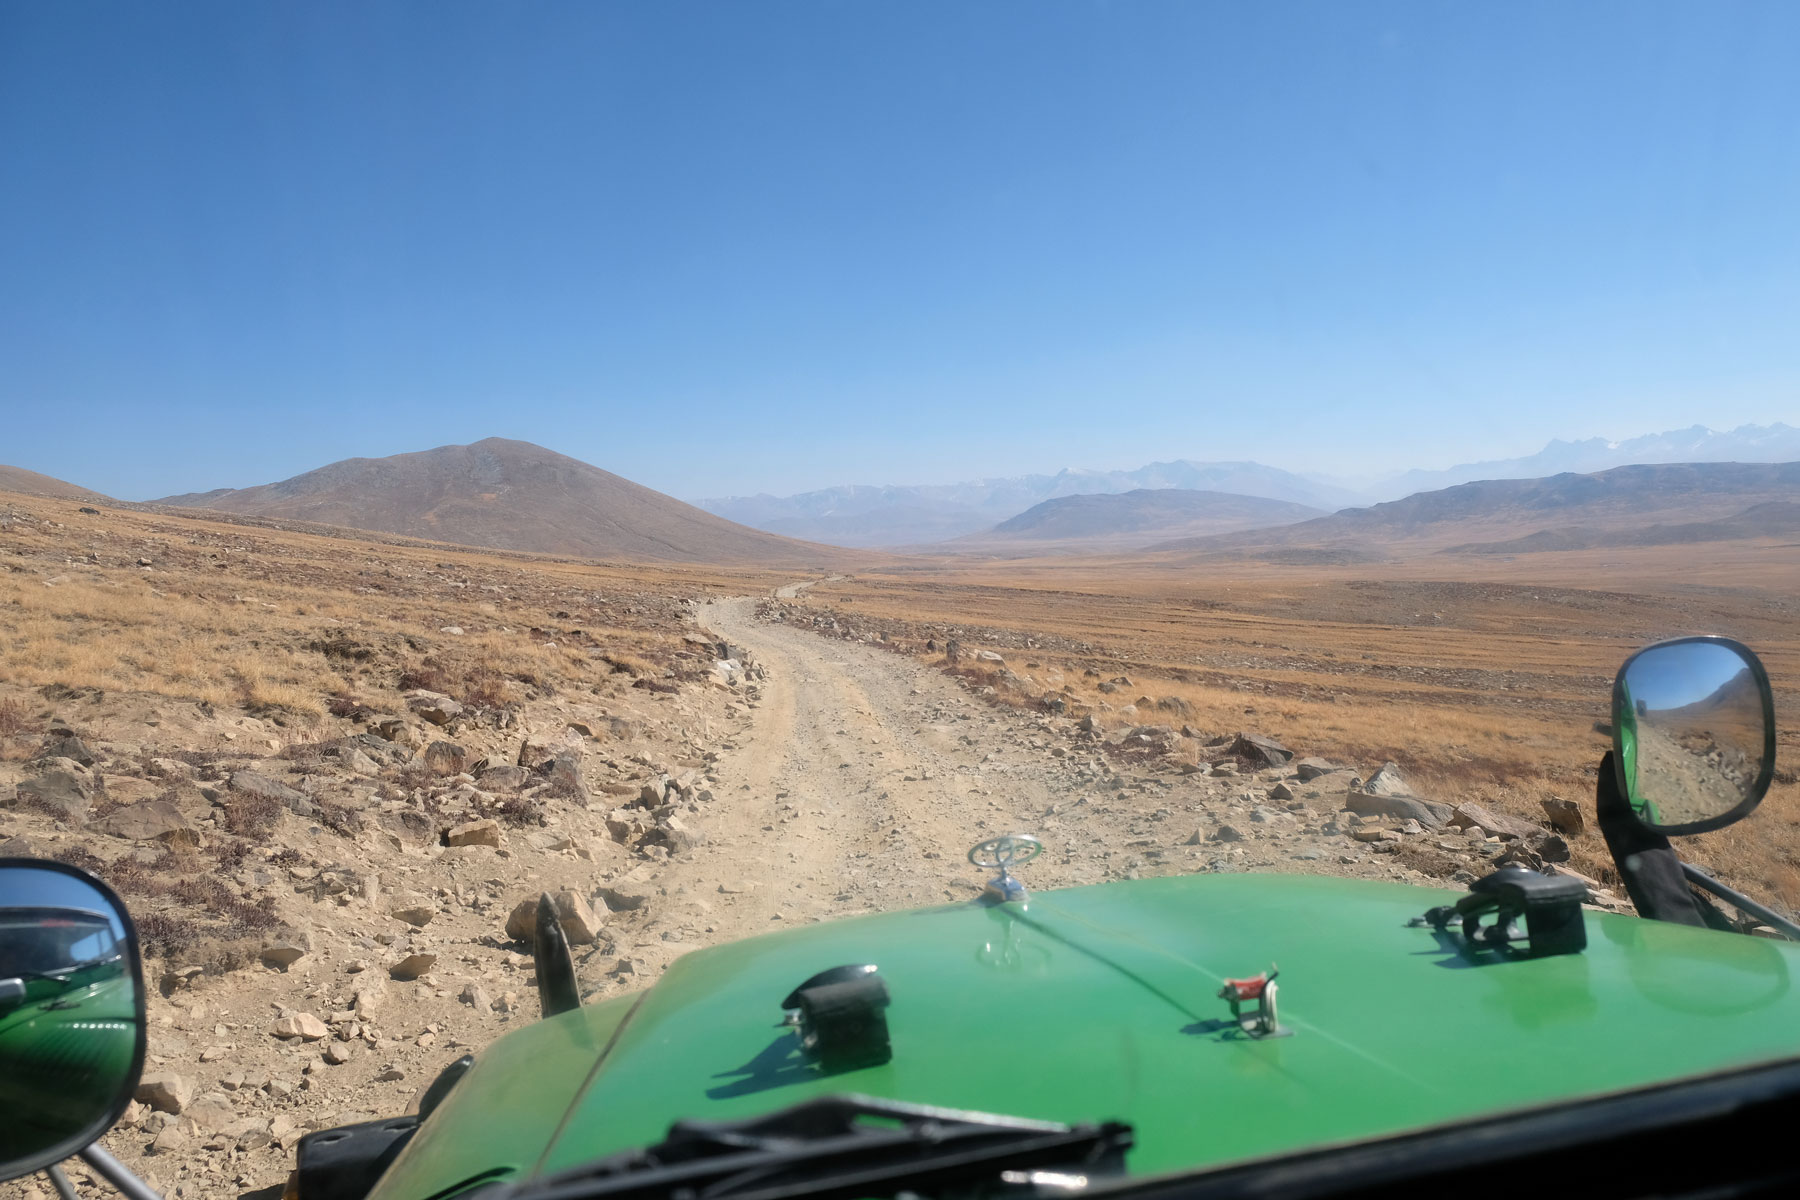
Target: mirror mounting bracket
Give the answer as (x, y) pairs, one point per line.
(1549, 906)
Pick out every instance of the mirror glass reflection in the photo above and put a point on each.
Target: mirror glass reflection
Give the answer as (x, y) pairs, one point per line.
(1692, 723)
(69, 1004)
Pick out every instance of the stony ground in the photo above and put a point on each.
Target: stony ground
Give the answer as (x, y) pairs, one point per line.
(807, 778)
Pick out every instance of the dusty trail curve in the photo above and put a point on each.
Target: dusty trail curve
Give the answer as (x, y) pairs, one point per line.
(864, 778)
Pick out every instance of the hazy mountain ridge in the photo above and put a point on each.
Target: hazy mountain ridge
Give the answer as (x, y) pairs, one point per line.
(1772, 518)
(894, 515)
(1696, 444)
(859, 515)
(508, 495)
(1632, 497)
(1097, 524)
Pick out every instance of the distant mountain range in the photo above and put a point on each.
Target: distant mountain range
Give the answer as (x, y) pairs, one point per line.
(1635, 505)
(909, 516)
(512, 496)
(914, 516)
(1746, 443)
(1128, 520)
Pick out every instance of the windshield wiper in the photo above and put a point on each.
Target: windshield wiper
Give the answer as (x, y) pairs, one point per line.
(839, 1148)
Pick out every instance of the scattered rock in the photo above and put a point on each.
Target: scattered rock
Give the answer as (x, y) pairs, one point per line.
(1496, 823)
(281, 954)
(58, 791)
(1403, 808)
(579, 923)
(625, 899)
(1387, 781)
(521, 923)
(485, 832)
(254, 783)
(369, 998)
(416, 911)
(476, 998)
(1312, 768)
(564, 776)
(1226, 833)
(304, 1026)
(412, 966)
(1264, 751)
(70, 747)
(435, 707)
(1551, 848)
(165, 1091)
(150, 820)
(1565, 816)
(338, 1053)
(506, 778)
(446, 758)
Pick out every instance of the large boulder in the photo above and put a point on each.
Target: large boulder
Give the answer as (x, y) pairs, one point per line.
(70, 747)
(165, 1091)
(1312, 768)
(435, 707)
(1565, 815)
(506, 778)
(1502, 824)
(66, 794)
(564, 776)
(1402, 808)
(579, 922)
(151, 820)
(304, 1026)
(446, 758)
(484, 832)
(580, 925)
(254, 783)
(1387, 781)
(1261, 750)
(382, 750)
(412, 966)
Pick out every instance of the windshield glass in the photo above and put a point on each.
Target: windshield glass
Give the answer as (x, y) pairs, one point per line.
(1118, 518)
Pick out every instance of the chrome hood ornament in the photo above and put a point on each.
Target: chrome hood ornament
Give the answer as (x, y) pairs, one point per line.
(1005, 852)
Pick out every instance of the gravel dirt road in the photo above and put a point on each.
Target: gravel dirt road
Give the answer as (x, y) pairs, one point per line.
(863, 779)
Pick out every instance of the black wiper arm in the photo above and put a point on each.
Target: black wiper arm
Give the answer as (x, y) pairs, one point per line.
(826, 1149)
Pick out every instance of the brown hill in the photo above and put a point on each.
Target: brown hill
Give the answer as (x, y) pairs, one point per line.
(511, 496)
(18, 479)
(1099, 523)
(1680, 501)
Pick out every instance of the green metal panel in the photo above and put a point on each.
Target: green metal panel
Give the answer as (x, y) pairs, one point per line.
(1099, 1003)
(499, 1118)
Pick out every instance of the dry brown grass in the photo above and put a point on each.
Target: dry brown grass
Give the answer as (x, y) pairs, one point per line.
(1482, 679)
(290, 622)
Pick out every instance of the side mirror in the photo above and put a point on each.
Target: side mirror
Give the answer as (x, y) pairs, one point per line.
(71, 1013)
(1693, 733)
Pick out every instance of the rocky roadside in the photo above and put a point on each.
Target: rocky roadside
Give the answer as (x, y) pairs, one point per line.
(1254, 804)
(326, 919)
(371, 931)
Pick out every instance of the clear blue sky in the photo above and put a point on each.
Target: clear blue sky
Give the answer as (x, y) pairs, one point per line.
(733, 247)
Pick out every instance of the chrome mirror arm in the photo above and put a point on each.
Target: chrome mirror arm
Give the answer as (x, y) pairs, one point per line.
(1737, 899)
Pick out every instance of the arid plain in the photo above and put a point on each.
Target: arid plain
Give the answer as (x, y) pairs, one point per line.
(320, 758)
(1483, 678)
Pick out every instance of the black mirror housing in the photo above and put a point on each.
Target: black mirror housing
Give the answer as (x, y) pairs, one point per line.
(1693, 726)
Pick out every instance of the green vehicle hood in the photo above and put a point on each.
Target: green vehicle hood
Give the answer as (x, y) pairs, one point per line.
(1100, 1003)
